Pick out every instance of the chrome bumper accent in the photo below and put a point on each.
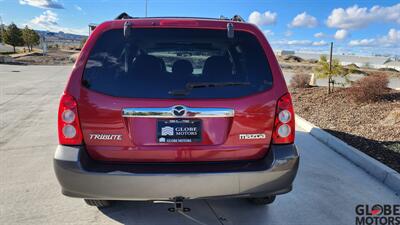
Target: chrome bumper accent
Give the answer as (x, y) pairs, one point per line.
(169, 112)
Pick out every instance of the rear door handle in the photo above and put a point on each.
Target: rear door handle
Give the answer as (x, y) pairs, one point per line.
(177, 112)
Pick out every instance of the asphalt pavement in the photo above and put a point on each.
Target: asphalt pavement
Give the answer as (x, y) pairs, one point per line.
(326, 190)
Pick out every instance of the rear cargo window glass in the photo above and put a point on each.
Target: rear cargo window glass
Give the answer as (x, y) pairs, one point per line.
(177, 63)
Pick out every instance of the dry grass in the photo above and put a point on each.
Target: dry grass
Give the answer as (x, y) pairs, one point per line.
(300, 80)
(370, 88)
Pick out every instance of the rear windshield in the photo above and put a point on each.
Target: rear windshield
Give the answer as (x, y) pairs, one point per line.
(177, 63)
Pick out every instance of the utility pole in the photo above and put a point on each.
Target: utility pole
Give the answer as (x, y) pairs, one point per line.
(1, 29)
(44, 44)
(145, 12)
(330, 70)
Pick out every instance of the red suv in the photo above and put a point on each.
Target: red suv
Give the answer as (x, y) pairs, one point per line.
(176, 108)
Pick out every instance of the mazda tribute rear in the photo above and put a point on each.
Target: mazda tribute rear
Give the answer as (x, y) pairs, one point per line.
(176, 108)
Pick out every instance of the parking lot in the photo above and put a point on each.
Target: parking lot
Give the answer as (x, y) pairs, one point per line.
(326, 191)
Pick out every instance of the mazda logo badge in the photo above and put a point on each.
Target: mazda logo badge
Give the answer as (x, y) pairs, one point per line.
(179, 110)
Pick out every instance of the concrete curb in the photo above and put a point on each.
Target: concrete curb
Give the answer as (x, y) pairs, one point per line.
(18, 55)
(378, 170)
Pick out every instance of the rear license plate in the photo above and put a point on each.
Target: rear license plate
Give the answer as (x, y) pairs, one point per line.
(178, 131)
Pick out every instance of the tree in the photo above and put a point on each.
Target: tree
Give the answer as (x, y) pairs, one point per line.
(1, 33)
(323, 71)
(35, 38)
(30, 38)
(83, 41)
(13, 36)
(25, 36)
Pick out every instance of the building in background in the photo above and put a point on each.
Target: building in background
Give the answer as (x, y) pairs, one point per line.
(376, 62)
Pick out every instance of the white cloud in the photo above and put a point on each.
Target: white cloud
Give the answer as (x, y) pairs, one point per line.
(355, 17)
(392, 39)
(394, 35)
(49, 21)
(319, 35)
(77, 7)
(299, 42)
(268, 33)
(304, 20)
(341, 34)
(362, 42)
(48, 18)
(266, 18)
(44, 4)
(319, 43)
(288, 33)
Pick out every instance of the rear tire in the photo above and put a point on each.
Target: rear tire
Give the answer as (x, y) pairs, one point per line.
(98, 203)
(263, 200)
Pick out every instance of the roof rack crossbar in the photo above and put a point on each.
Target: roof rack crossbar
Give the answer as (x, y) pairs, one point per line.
(236, 18)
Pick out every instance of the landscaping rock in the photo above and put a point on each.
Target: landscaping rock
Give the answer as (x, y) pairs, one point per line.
(6, 59)
(392, 119)
(360, 125)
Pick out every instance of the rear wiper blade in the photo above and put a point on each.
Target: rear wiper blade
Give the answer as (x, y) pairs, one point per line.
(214, 84)
(190, 86)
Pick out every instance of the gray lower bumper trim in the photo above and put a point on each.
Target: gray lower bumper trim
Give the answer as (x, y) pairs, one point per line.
(118, 185)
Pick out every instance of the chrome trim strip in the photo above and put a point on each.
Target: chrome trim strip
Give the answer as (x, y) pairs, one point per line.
(168, 112)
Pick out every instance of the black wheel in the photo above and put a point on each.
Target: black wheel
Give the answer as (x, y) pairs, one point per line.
(262, 200)
(98, 203)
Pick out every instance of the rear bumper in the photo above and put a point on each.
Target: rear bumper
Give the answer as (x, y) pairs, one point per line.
(82, 177)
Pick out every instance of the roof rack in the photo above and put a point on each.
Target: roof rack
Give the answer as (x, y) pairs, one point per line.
(236, 18)
(123, 16)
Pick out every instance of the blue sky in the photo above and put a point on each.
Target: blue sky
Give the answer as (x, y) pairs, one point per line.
(360, 27)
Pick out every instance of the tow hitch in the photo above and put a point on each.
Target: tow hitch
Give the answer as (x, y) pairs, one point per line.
(179, 208)
(178, 205)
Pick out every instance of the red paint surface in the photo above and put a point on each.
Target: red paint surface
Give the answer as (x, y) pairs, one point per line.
(100, 113)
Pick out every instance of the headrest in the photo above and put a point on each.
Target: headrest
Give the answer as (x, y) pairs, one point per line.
(182, 67)
(217, 66)
(147, 65)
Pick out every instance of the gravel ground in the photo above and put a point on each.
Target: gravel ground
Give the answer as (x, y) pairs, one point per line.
(359, 124)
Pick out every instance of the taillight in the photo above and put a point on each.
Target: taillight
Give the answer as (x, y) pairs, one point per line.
(69, 130)
(284, 126)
